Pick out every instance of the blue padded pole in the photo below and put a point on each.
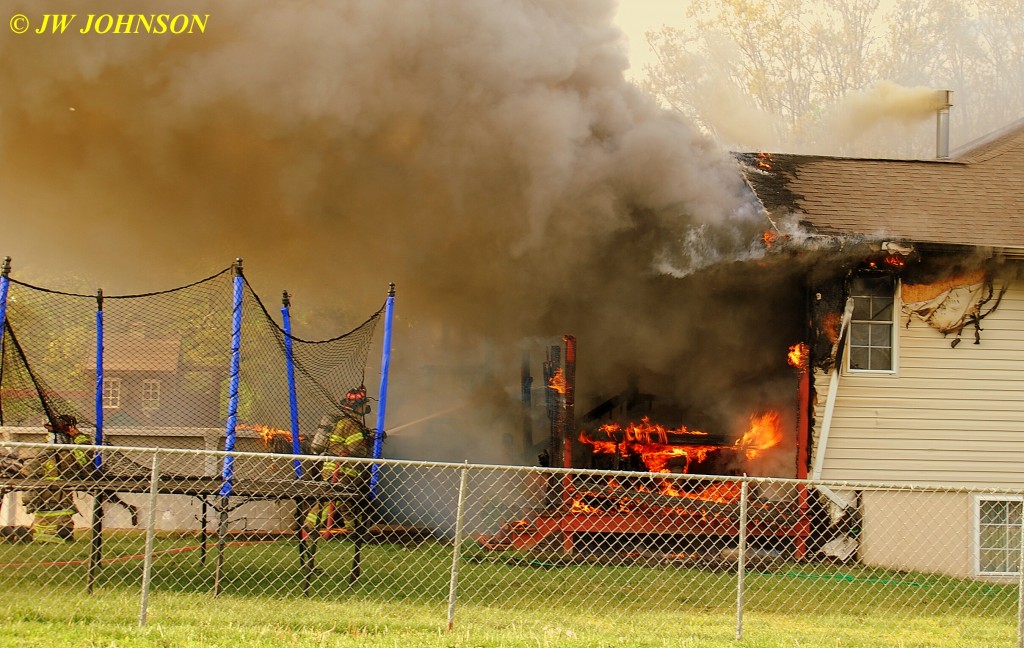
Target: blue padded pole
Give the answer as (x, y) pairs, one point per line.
(236, 348)
(385, 364)
(293, 400)
(5, 284)
(98, 456)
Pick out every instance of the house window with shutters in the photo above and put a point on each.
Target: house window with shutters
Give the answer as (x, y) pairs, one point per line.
(872, 338)
(998, 535)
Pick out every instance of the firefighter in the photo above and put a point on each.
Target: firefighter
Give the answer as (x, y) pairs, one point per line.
(53, 507)
(343, 435)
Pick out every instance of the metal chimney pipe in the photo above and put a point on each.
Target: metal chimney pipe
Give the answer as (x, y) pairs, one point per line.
(942, 124)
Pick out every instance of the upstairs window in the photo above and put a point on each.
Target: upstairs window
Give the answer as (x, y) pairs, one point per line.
(873, 326)
(150, 394)
(111, 393)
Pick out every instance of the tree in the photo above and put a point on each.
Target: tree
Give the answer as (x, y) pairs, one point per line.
(772, 74)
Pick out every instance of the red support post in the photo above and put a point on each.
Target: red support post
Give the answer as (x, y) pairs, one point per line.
(802, 440)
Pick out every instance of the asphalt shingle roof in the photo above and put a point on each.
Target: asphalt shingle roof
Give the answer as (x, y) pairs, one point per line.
(974, 197)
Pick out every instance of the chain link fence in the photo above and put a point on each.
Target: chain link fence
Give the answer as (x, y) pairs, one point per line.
(510, 538)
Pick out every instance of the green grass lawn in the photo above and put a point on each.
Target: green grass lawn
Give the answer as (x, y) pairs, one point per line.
(401, 599)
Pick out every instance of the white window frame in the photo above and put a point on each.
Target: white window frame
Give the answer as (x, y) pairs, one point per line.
(979, 499)
(893, 341)
(111, 393)
(149, 386)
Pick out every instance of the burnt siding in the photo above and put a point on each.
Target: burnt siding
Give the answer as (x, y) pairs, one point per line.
(951, 416)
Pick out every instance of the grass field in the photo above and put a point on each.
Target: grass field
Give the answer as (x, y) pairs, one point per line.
(401, 599)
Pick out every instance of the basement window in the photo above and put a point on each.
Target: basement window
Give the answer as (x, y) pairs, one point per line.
(998, 535)
(873, 325)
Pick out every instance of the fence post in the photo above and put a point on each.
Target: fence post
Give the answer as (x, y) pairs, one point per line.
(147, 563)
(457, 551)
(741, 558)
(1020, 582)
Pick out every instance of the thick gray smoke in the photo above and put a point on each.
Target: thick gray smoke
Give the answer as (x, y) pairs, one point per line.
(487, 156)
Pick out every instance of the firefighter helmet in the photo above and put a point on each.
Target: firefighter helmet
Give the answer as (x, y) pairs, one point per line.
(355, 400)
(65, 423)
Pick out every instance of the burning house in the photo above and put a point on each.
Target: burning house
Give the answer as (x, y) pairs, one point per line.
(914, 303)
(904, 278)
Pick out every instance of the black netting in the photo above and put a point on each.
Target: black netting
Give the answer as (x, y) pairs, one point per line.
(167, 367)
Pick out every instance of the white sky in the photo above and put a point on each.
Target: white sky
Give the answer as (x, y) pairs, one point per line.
(636, 17)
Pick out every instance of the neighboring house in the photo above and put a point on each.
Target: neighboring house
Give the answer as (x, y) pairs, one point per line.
(922, 380)
(145, 383)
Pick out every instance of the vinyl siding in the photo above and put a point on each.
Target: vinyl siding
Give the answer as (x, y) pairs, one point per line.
(948, 416)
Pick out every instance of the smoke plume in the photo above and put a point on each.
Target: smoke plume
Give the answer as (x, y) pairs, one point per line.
(487, 156)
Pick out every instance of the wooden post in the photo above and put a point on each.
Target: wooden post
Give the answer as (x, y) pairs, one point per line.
(802, 439)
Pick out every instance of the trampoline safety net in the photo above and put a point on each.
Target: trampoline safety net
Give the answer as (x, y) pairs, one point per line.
(184, 368)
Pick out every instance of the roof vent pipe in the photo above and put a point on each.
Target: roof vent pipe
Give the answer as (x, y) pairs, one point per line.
(942, 124)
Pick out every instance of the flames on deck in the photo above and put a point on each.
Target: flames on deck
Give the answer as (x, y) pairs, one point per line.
(650, 442)
(673, 450)
(648, 499)
(275, 439)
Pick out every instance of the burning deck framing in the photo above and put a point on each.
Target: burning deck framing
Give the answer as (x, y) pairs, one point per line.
(592, 513)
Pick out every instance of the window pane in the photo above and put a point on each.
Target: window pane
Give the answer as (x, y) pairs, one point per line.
(1013, 537)
(993, 512)
(858, 358)
(861, 308)
(859, 335)
(872, 285)
(881, 309)
(992, 560)
(880, 335)
(1013, 512)
(881, 359)
(992, 537)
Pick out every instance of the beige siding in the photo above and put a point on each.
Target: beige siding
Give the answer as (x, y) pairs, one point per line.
(923, 532)
(951, 416)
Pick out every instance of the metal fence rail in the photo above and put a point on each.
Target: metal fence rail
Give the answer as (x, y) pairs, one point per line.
(510, 537)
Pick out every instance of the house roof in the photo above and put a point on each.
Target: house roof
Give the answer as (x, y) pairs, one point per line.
(134, 353)
(974, 197)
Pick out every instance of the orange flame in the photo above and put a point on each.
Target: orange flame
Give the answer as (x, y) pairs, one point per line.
(579, 507)
(765, 432)
(267, 432)
(557, 382)
(831, 322)
(769, 237)
(649, 441)
(895, 260)
(798, 356)
(764, 160)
